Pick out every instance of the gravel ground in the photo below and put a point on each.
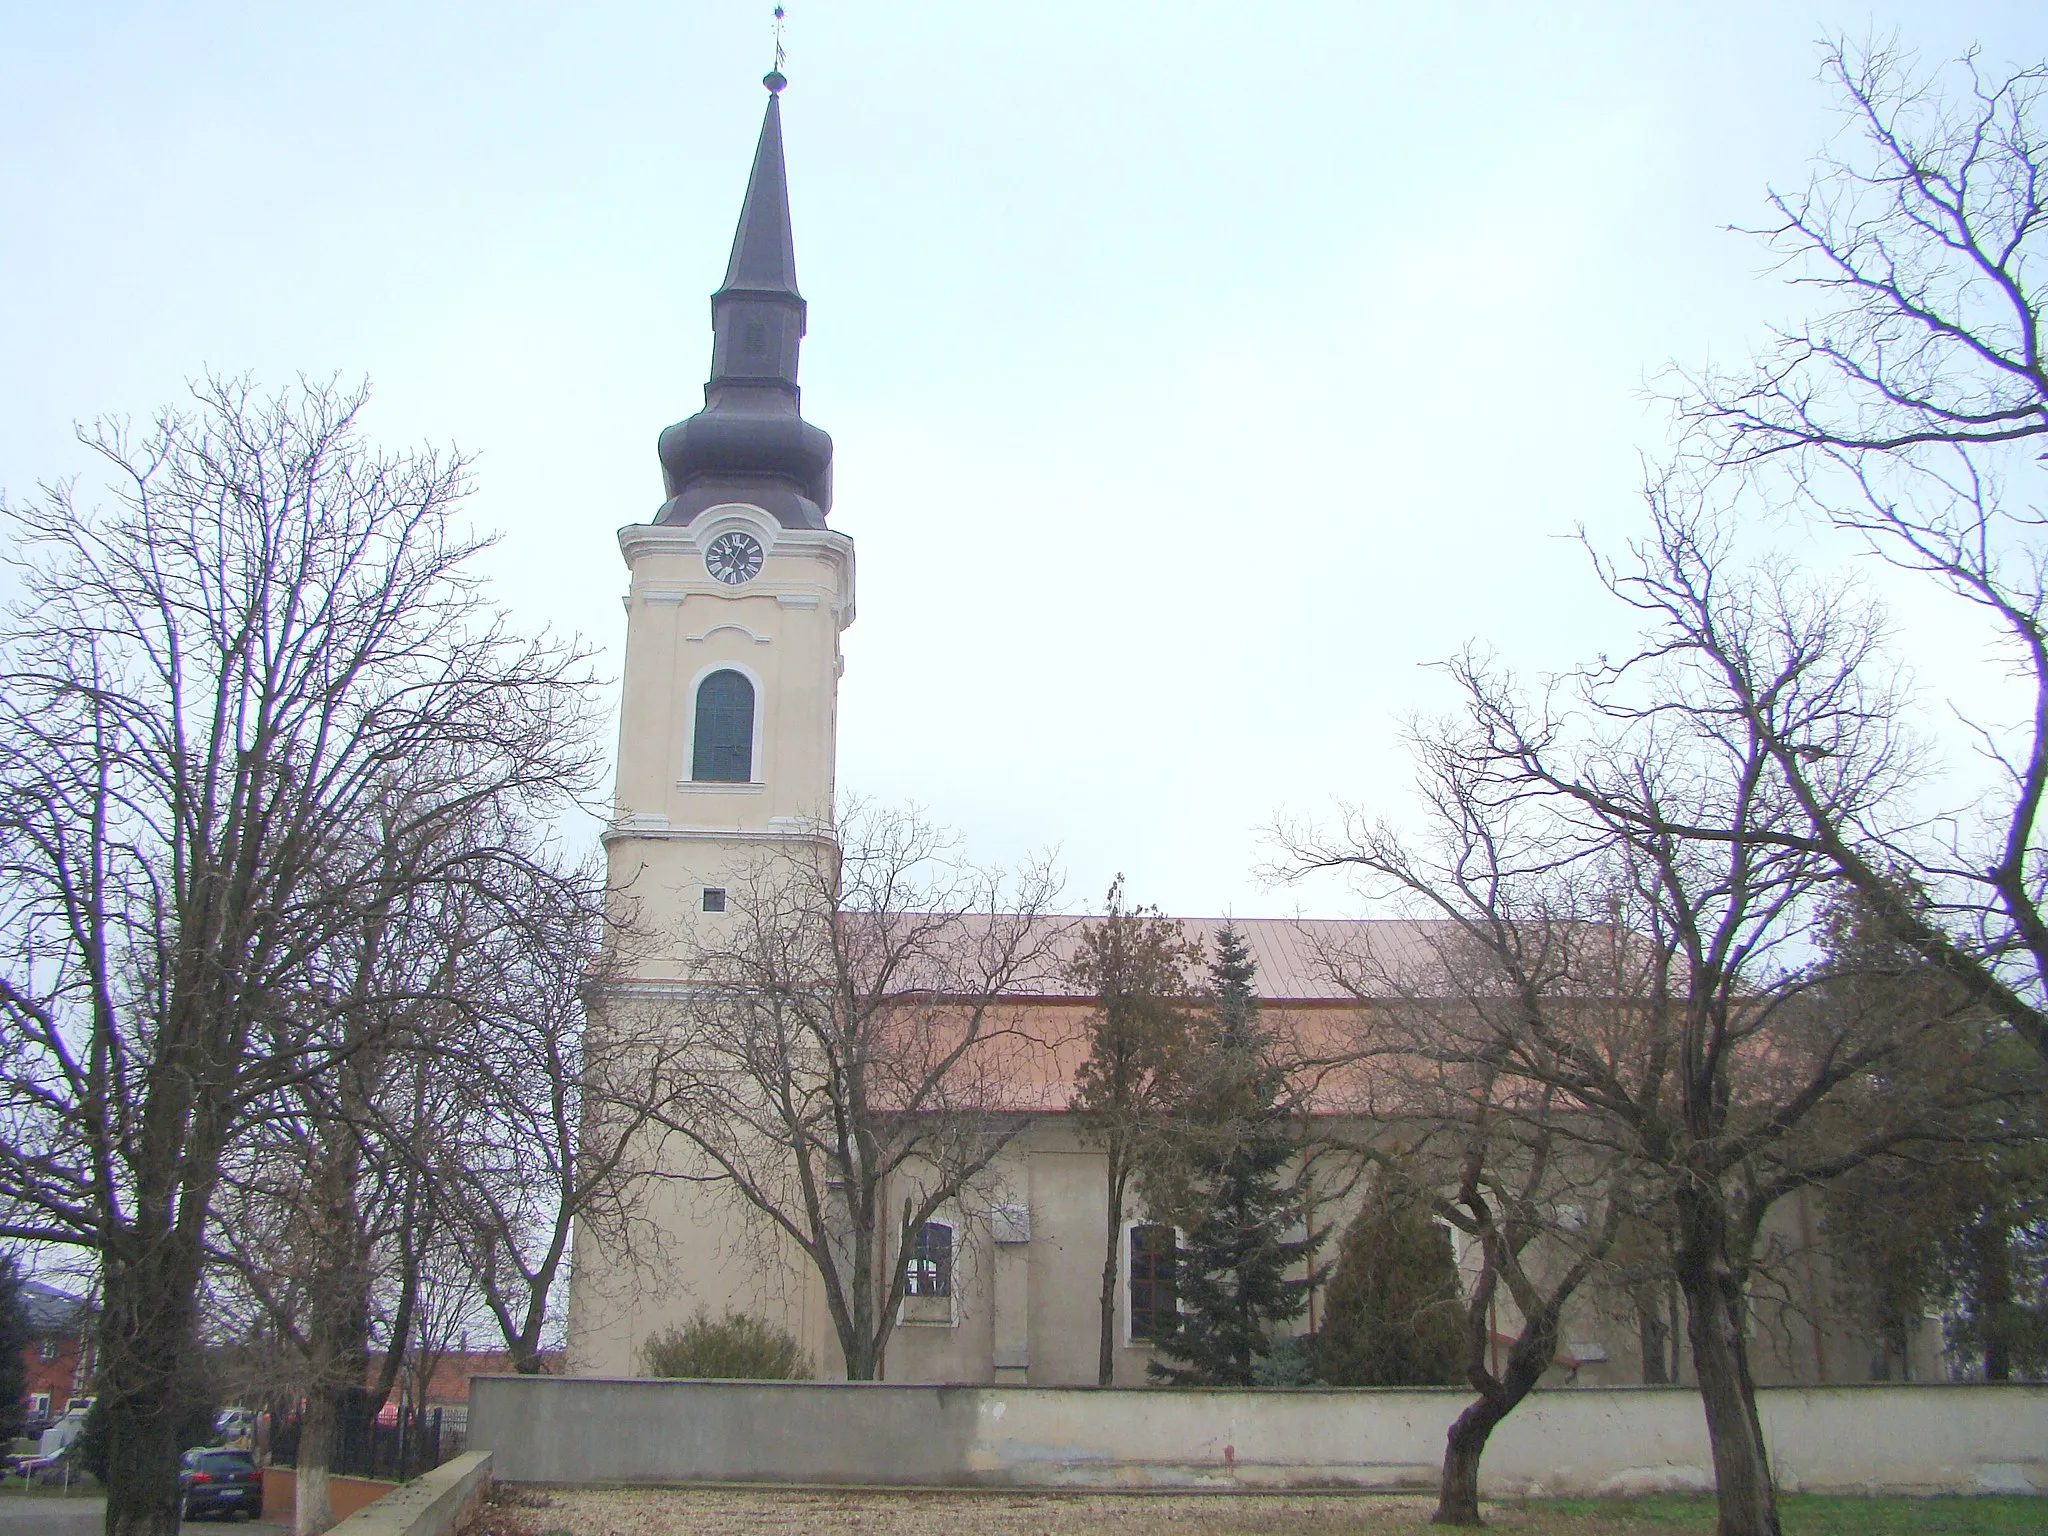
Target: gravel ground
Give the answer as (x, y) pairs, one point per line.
(721, 1512)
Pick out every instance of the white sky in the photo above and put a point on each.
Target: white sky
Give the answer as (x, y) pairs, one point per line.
(1199, 372)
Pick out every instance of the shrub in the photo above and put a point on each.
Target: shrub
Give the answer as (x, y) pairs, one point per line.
(1290, 1363)
(735, 1347)
(1395, 1313)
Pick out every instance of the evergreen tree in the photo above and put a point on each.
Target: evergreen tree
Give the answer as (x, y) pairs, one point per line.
(1395, 1313)
(1222, 1183)
(1958, 1225)
(1136, 963)
(14, 1339)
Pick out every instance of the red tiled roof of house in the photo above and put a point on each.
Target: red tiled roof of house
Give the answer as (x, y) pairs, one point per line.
(449, 1382)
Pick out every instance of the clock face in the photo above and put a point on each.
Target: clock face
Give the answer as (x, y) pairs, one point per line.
(733, 558)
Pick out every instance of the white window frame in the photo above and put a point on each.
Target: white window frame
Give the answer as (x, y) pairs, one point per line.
(952, 1296)
(754, 780)
(39, 1405)
(1123, 1288)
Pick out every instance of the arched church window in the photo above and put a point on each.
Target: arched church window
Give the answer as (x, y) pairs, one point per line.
(722, 747)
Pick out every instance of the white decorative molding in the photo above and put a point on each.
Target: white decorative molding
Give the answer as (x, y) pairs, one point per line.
(730, 624)
(648, 988)
(721, 787)
(718, 835)
(797, 599)
(663, 595)
(836, 549)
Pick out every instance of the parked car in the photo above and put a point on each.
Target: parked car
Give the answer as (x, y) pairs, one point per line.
(217, 1482)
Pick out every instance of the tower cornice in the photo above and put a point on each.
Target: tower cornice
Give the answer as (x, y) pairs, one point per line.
(639, 541)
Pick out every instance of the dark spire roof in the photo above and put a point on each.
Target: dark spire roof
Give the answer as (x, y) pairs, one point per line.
(763, 251)
(750, 442)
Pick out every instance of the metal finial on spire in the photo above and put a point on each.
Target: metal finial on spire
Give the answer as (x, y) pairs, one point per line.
(775, 80)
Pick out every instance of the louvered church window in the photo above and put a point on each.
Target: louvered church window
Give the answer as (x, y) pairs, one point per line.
(723, 750)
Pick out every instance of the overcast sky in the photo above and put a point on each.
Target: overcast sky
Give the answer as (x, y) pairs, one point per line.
(1200, 373)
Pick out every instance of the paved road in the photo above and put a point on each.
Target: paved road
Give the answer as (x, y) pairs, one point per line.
(52, 1517)
(88, 1517)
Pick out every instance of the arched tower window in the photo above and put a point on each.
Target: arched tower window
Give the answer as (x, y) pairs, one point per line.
(723, 744)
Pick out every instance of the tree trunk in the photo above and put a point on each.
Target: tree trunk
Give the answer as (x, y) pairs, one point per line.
(338, 1329)
(313, 1503)
(146, 1364)
(142, 1462)
(859, 1313)
(1457, 1501)
(1675, 1332)
(1742, 1469)
(1529, 1357)
(1650, 1333)
(526, 1359)
(1105, 1357)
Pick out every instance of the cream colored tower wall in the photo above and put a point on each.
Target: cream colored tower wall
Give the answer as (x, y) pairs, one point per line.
(671, 837)
(695, 1246)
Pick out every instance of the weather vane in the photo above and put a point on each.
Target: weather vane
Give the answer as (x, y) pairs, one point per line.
(774, 79)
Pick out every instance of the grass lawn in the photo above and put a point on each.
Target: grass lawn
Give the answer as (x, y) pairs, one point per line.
(81, 1488)
(1826, 1514)
(793, 1512)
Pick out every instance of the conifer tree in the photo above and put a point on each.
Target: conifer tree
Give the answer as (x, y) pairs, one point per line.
(1136, 963)
(1395, 1315)
(14, 1341)
(1226, 1192)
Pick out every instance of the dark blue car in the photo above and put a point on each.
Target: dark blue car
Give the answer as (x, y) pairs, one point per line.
(224, 1483)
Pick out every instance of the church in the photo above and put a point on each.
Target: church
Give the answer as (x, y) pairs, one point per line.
(738, 592)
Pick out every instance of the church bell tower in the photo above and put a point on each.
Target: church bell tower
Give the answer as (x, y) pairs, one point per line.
(738, 592)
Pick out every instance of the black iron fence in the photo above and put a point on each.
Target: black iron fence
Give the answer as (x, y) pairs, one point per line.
(369, 1444)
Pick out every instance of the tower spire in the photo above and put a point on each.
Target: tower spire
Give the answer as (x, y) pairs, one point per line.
(763, 260)
(750, 442)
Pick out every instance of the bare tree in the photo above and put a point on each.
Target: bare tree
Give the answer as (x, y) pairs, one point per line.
(847, 1062)
(1911, 410)
(1137, 963)
(1539, 1187)
(209, 687)
(1645, 779)
(450, 1122)
(547, 1129)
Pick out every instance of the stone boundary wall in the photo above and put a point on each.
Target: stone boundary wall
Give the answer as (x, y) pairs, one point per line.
(346, 1494)
(433, 1504)
(1903, 1439)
